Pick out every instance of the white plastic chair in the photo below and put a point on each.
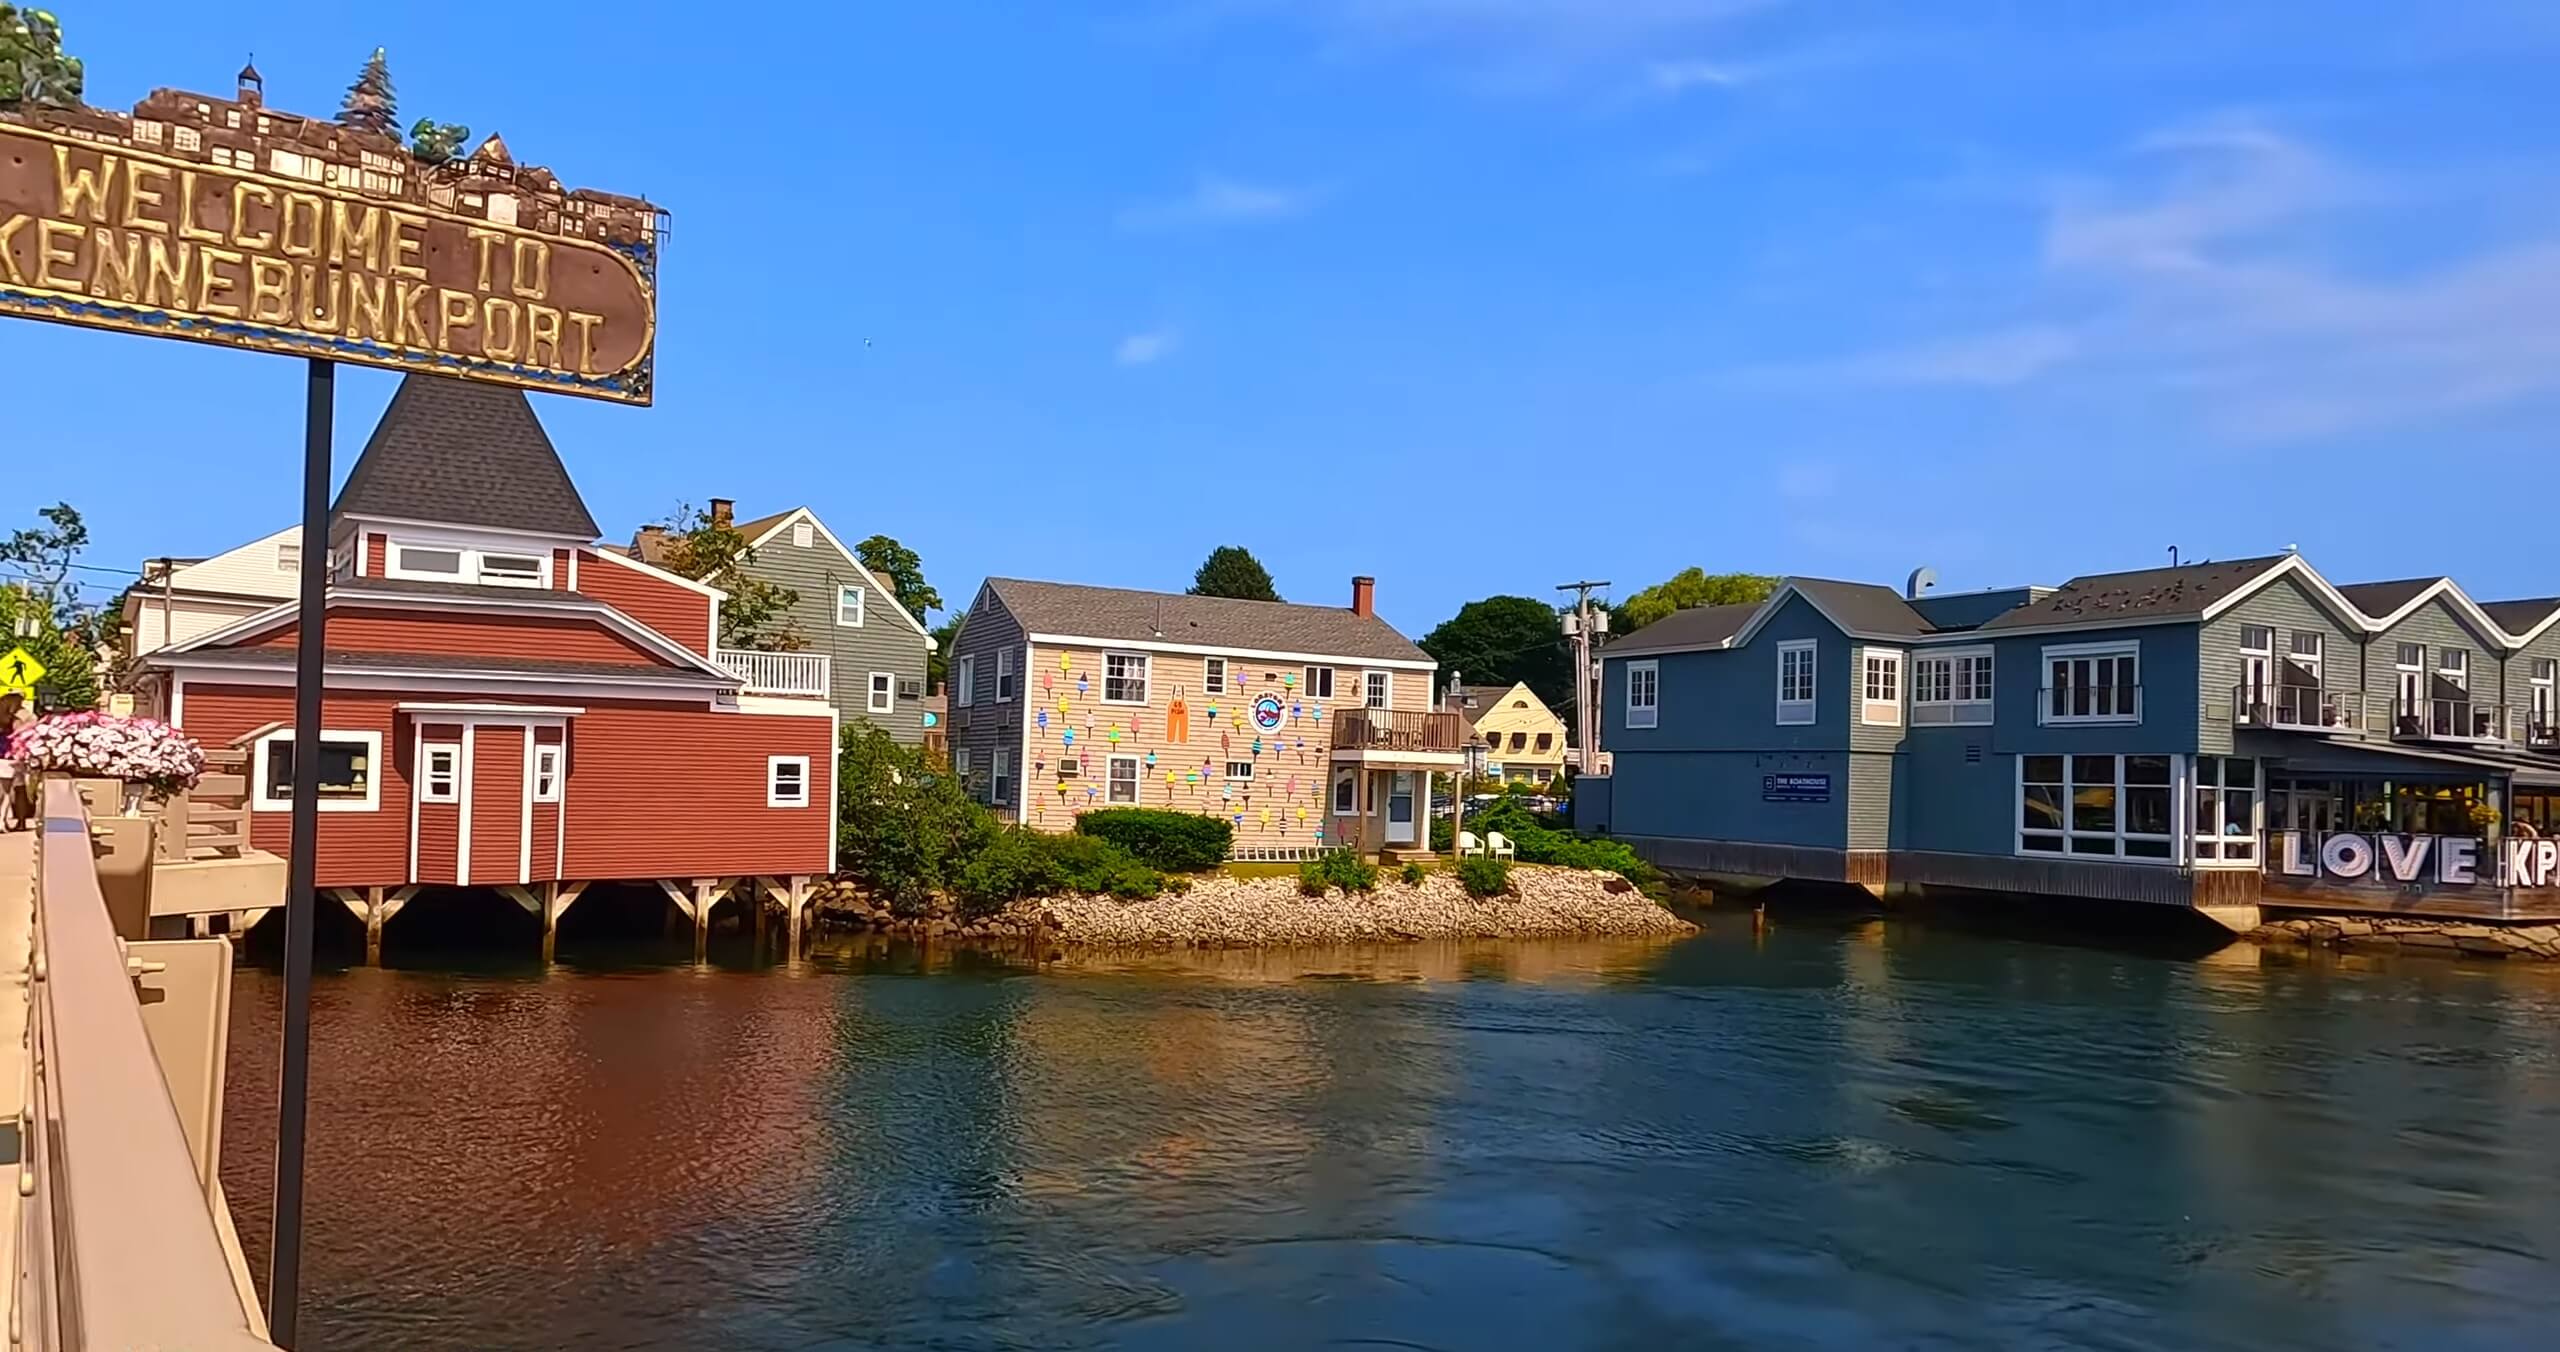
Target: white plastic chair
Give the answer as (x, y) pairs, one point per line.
(1497, 845)
(1468, 844)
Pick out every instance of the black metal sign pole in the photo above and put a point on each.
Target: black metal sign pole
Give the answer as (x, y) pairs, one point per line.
(301, 898)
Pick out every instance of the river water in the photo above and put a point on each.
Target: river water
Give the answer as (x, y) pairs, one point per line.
(1842, 1134)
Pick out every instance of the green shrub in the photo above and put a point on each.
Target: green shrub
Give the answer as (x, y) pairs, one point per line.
(1484, 876)
(1340, 868)
(1177, 842)
(1014, 864)
(1414, 873)
(907, 827)
(1092, 864)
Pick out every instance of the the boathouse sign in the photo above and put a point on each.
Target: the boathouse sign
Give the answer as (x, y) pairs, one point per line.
(2388, 860)
(99, 231)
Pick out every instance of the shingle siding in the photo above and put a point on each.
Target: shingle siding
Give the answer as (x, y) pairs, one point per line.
(2287, 607)
(985, 724)
(882, 642)
(2438, 627)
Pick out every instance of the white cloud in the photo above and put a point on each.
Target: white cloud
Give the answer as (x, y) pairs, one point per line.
(1214, 200)
(1148, 348)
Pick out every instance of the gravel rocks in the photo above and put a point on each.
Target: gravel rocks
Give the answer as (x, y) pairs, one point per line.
(2392, 934)
(1224, 912)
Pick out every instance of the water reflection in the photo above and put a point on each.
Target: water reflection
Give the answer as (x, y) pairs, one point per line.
(1845, 1133)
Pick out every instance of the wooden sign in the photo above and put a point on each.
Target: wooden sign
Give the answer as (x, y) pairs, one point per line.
(223, 221)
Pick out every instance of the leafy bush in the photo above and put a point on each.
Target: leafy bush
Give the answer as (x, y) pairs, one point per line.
(1414, 873)
(1177, 842)
(1340, 868)
(1444, 834)
(1537, 843)
(908, 828)
(1484, 876)
(1091, 864)
(1015, 863)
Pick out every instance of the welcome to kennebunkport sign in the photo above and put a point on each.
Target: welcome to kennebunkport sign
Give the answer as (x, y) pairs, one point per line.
(224, 221)
(2389, 860)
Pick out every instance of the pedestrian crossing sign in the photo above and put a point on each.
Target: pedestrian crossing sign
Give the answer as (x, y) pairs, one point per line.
(19, 672)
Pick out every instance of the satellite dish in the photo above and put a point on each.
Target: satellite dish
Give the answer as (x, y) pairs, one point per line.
(1924, 580)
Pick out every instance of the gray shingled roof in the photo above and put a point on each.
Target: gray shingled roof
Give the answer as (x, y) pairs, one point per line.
(1474, 701)
(1696, 627)
(464, 454)
(2163, 594)
(1212, 621)
(2378, 599)
(529, 666)
(2518, 616)
(1864, 607)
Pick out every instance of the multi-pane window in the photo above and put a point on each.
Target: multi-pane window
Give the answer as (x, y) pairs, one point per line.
(2544, 670)
(1242, 769)
(439, 773)
(546, 772)
(1319, 682)
(2309, 646)
(1378, 689)
(2226, 809)
(884, 690)
(1124, 780)
(2454, 665)
(1001, 791)
(1951, 688)
(2098, 684)
(1124, 678)
(1004, 674)
(1644, 694)
(1795, 681)
(2104, 806)
(1881, 690)
(849, 607)
(1213, 675)
(965, 682)
(786, 781)
(960, 770)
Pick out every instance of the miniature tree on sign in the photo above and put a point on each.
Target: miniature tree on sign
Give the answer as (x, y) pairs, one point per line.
(436, 142)
(370, 105)
(33, 68)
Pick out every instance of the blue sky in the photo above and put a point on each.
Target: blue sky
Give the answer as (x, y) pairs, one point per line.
(1475, 295)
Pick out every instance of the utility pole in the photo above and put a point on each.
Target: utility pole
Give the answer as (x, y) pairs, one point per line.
(1585, 626)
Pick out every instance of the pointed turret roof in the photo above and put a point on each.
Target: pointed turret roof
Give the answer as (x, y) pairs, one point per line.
(464, 454)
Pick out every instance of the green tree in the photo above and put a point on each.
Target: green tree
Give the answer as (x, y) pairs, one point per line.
(1233, 571)
(1502, 639)
(71, 670)
(45, 555)
(937, 664)
(1684, 590)
(903, 570)
(757, 613)
(34, 70)
(908, 827)
(370, 105)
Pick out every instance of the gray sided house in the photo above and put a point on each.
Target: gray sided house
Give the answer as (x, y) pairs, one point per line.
(859, 646)
(2216, 736)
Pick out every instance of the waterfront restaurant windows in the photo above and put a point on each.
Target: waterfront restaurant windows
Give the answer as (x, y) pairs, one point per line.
(1951, 688)
(1882, 691)
(2096, 806)
(1795, 681)
(2093, 683)
(1644, 694)
(2226, 809)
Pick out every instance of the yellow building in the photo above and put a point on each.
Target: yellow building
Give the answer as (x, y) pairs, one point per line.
(1524, 740)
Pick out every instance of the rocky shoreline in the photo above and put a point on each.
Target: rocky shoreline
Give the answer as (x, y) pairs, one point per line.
(2436, 938)
(1219, 911)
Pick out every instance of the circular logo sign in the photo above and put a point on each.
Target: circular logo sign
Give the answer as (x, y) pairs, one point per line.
(1266, 713)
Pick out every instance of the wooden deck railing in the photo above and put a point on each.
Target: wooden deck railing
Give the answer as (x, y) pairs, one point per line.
(778, 673)
(1398, 730)
(211, 820)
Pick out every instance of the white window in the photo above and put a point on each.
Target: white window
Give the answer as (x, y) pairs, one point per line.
(2544, 670)
(1795, 681)
(437, 562)
(511, 570)
(2103, 806)
(347, 764)
(1380, 690)
(1124, 780)
(1319, 682)
(1951, 688)
(849, 607)
(2309, 650)
(1000, 792)
(786, 781)
(546, 772)
(1881, 691)
(2409, 667)
(960, 770)
(1213, 675)
(967, 681)
(425, 561)
(1124, 678)
(1004, 675)
(1346, 798)
(2454, 665)
(439, 773)
(884, 691)
(802, 533)
(1242, 769)
(2226, 819)
(2257, 656)
(1644, 694)
(2093, 683)
(288, 558)
(187, 138)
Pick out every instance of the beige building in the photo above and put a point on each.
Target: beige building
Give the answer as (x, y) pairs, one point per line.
(1310, 728)
(181, 599)
(1523, 738)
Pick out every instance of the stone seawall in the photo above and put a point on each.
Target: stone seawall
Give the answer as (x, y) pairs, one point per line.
(2393, 934)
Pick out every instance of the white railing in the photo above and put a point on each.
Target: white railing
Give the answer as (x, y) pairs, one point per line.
(778, 673)
(118, 1246)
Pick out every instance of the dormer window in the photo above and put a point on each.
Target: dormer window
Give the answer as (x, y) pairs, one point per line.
(438, 561)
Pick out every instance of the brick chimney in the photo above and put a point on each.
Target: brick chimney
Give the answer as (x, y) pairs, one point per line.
(722, 509)
(1364, 596)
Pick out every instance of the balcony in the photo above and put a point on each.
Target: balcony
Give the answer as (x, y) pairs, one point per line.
(2471, 722)
(802, 674)
(2542, 730)
(1398, 731)
(2296, 708)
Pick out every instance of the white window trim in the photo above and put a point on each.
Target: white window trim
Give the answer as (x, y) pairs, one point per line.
(471, 566)
(1213, 675)
(1234, 764)
(1648, 714)
(804, 534)
(1146, 677)
(1956, 710)
(1004, 675)
(1387, 699)
(1111, 780)
(2113, 648)
(1310, 674)
(1803, 712)
(1886, 712)
(1345, 779)
(2458, 673)
(453, 781)
(964, 681)
(262, 801)
(861, 603)
(773, 789)
(874, 698)
(2179, 784)
(1000, 776)
(2221, 840)
(557, 754)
